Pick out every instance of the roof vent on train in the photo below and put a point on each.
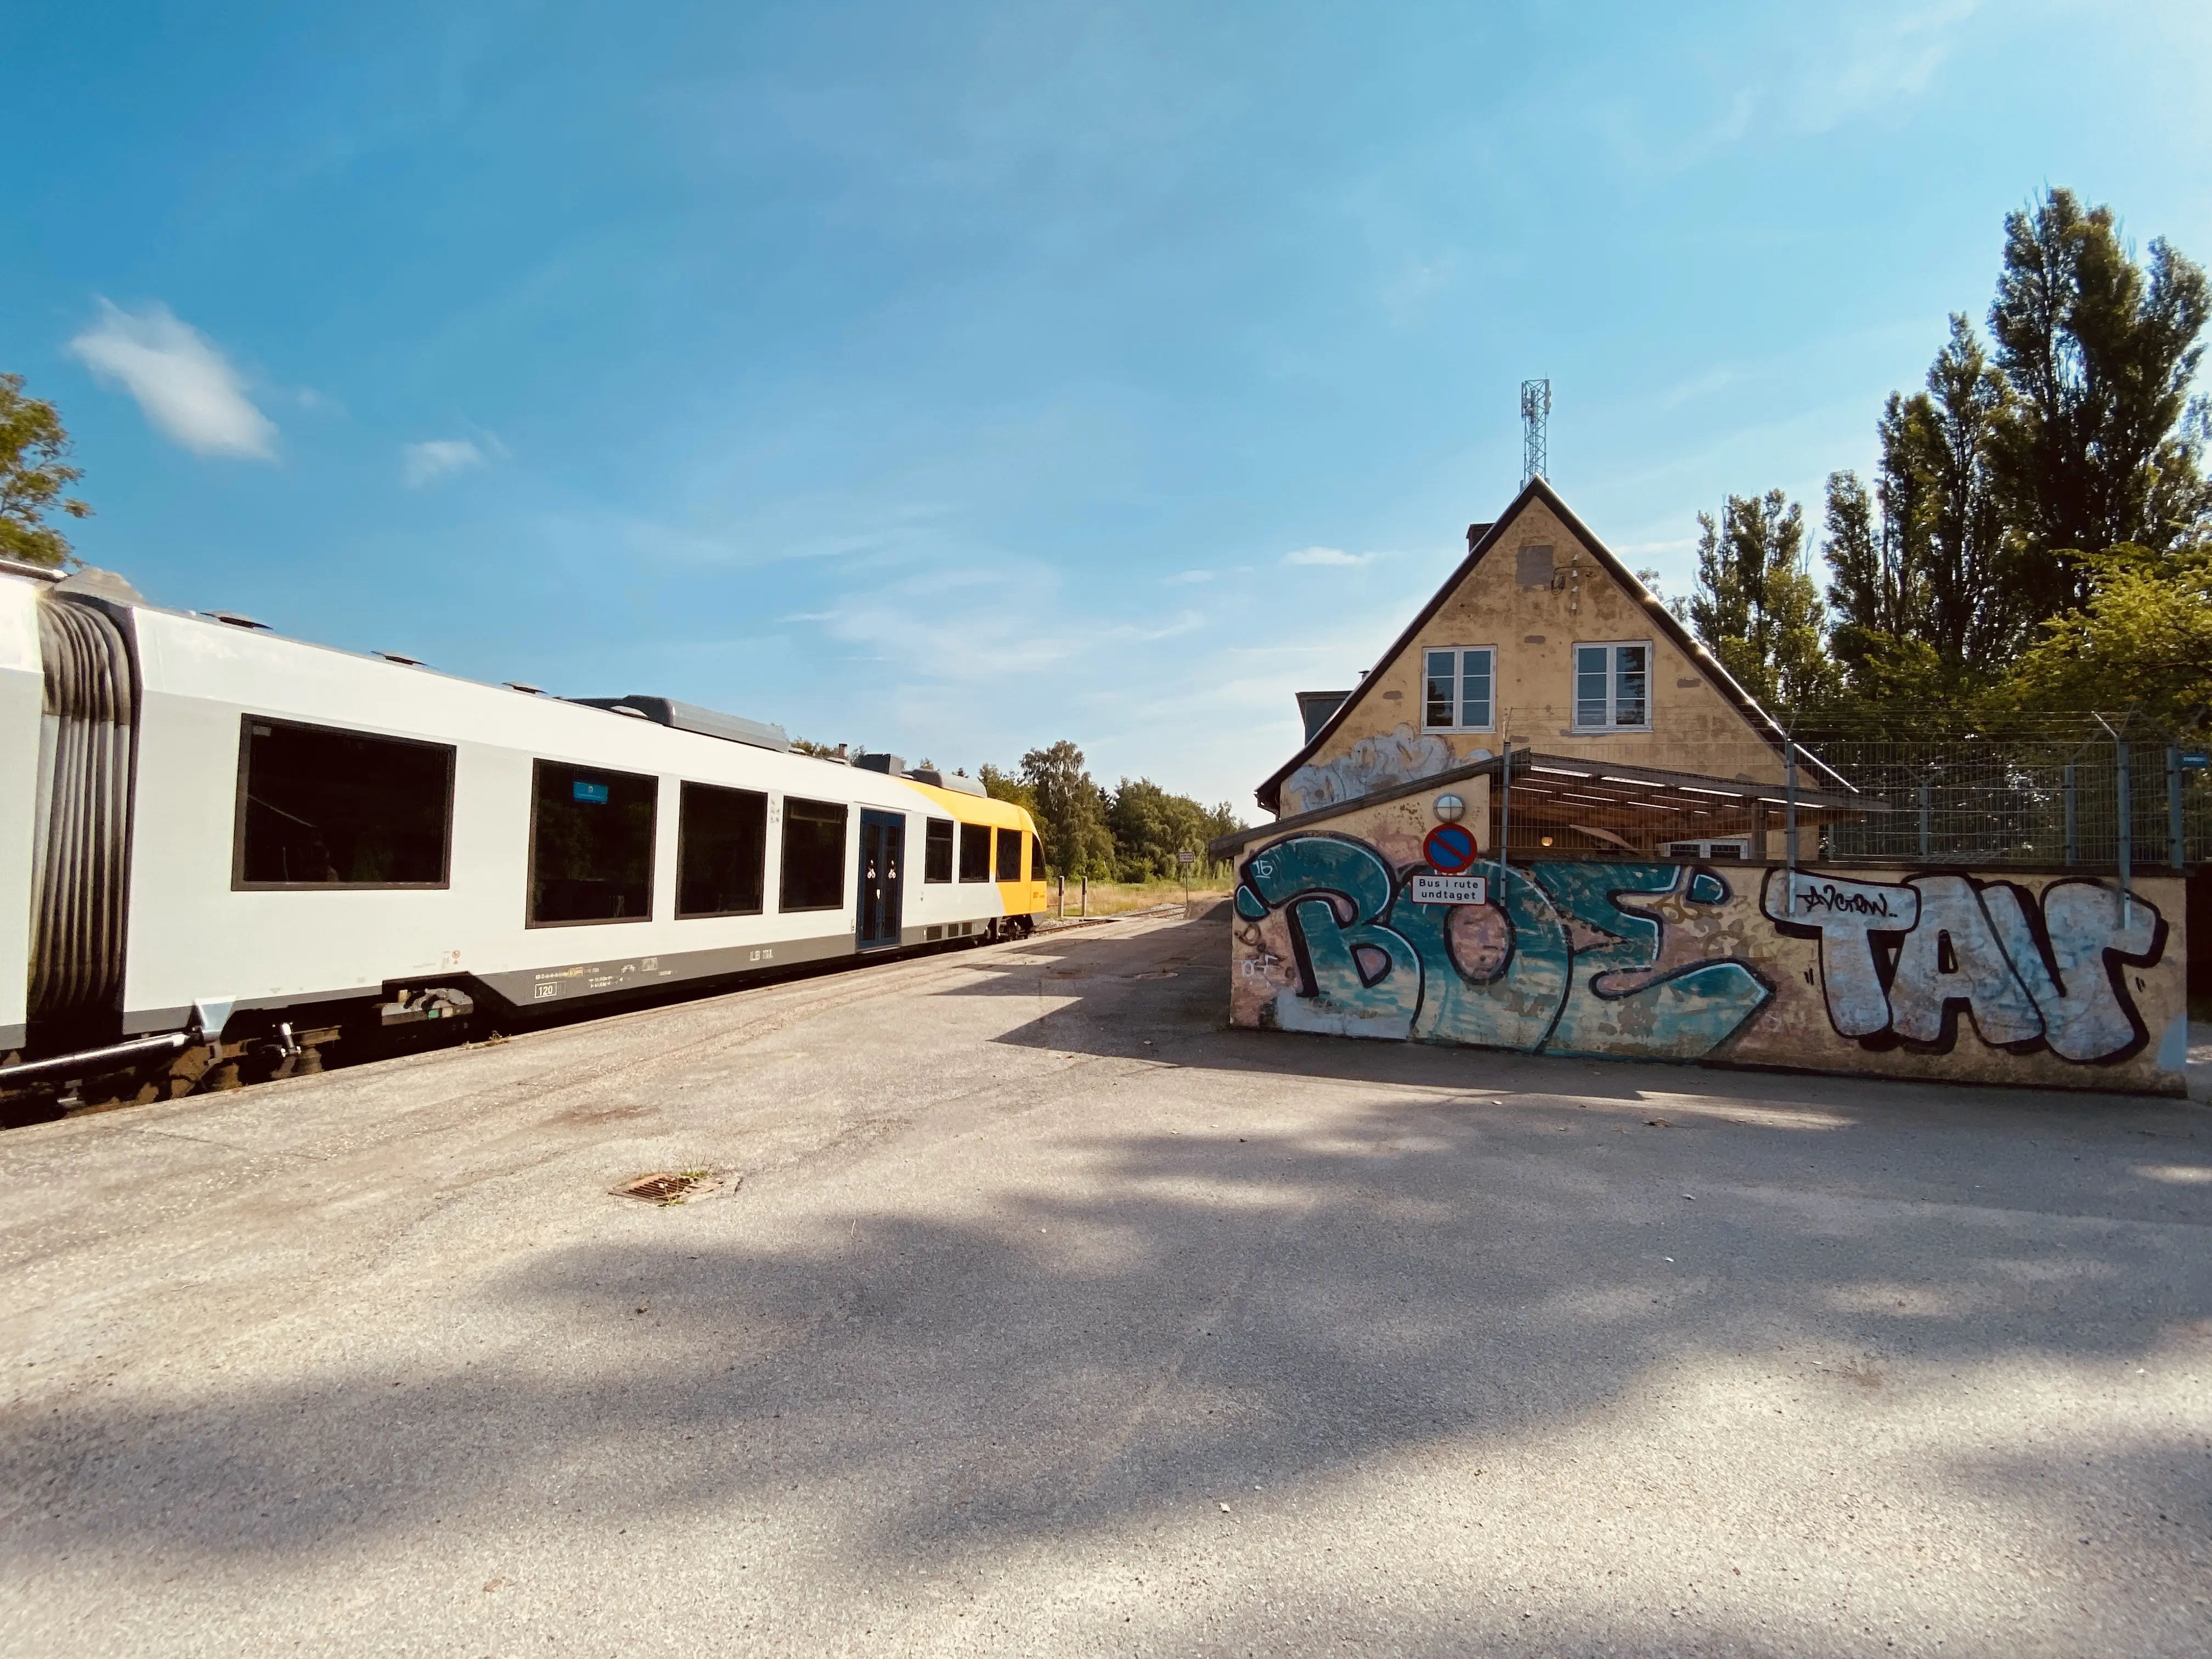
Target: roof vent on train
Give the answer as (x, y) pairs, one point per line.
(690, 717)
(99, 584)
(891, 765)
(404, 661)
(956, 781)
(236, 619)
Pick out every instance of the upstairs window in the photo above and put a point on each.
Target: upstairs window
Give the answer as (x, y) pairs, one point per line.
(1613, 687)
(321, 808)
(1010, 855)
(591, 846)
(1456, 688)
(975, 852)
(721, 851)
(937, 851)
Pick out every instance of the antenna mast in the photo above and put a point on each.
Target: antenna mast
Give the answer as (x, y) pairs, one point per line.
(1536, 412)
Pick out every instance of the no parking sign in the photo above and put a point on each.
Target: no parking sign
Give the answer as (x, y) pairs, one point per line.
(1450, 848)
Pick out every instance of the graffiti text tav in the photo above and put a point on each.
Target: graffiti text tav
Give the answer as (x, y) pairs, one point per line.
(1905, 960)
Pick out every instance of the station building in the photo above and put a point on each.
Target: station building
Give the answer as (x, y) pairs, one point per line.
(1637, 860)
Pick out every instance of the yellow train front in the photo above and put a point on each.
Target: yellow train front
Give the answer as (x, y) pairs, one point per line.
(983, 844)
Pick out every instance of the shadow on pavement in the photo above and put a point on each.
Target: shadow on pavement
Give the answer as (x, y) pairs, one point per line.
(1471, 1250)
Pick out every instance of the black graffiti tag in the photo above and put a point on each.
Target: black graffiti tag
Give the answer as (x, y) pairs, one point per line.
(1846, 913)
(1855, 901)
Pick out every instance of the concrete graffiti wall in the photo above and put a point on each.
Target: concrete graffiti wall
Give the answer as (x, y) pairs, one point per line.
(2047, 979)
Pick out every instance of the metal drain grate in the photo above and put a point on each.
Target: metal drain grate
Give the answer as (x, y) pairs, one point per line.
(668, 1187)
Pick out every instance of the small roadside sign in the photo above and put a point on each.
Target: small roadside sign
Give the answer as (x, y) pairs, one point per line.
(1186, 860)
(1449, 848)
(1451, 889)
(2196, 760)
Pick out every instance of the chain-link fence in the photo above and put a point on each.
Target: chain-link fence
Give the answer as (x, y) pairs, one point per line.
(2064, 793)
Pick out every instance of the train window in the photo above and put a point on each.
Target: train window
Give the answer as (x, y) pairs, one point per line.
(324, 808)
(937, 859)
(975, 852)
(1036, 860)
(813, 854)
(721, 851)
(591, 846)
(1010, 855)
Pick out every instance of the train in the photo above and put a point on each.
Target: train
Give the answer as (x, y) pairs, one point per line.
(220, 846)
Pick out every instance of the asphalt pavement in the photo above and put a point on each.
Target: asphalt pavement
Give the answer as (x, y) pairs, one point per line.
(1032, 1312)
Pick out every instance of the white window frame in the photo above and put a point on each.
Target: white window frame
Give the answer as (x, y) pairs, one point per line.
(1707, 847)
(1613, 649)
(1459, 655)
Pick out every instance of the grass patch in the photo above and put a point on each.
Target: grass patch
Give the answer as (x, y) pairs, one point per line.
(1114, 898)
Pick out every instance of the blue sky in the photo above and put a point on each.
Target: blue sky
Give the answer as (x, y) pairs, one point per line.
(958, 379)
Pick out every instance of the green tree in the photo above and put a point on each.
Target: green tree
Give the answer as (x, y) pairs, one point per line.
(1008, 786)
(1151, 826)
(1917, 564)
(1070, 811)
(1756, 606)
(2143, 639)
(1873, 589)
(34, 470)
(1952, 432)
(2100, 351)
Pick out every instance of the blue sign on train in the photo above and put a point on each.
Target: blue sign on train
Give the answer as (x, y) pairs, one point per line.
(596, 794)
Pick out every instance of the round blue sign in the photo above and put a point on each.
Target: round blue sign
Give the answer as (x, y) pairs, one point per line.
(1450, 848)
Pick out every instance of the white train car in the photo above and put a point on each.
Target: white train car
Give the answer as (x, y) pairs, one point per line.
(204, 826)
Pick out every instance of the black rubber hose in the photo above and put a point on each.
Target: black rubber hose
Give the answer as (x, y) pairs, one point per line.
(83, 834)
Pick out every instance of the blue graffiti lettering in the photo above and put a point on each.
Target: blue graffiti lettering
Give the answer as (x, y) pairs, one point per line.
(1344, 903)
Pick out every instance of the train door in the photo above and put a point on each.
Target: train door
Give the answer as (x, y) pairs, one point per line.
(883, 851)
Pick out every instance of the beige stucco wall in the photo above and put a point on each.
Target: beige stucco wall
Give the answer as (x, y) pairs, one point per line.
(1694, 727)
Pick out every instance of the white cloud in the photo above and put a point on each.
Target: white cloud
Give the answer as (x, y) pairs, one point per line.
(1335, 556)
(1879, 60)
(187, 388)
(438, 458)
(1187, 578)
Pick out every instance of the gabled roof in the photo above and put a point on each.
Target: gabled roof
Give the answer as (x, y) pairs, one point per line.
(1481, 539)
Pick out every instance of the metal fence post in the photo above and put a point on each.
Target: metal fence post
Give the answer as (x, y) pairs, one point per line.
(1789, 798)
(1789, 824)
(1923, 818)
(2073, 844)
(2127, 828)
(2173, 836)
(1504, 816)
